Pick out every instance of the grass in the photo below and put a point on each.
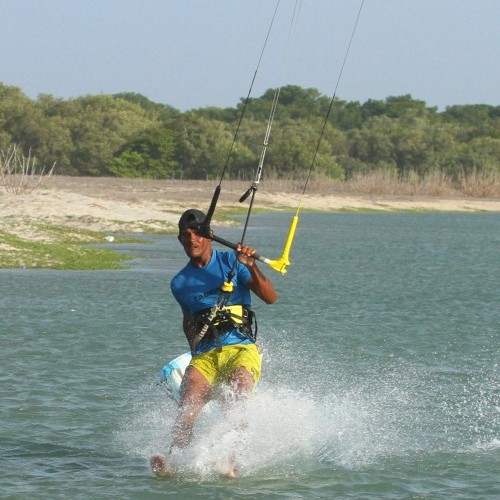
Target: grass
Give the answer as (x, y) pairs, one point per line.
(47, 246)
(383, 183)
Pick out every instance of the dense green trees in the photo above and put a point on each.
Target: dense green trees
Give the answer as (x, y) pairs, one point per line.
(128, 135)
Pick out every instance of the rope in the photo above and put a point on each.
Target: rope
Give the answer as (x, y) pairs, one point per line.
(205, 227)
(247, 99)
(313, 162)
(253, 188)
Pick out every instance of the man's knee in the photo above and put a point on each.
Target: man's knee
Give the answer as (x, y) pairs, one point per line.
(195, 389)
(242, 380)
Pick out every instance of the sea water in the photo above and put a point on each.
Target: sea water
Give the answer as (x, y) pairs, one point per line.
(380, 372)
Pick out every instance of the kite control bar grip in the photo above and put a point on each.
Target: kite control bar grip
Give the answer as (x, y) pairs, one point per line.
(205, 225)
(278, 265)
(229, 244)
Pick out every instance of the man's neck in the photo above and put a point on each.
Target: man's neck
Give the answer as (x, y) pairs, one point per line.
(203, 260)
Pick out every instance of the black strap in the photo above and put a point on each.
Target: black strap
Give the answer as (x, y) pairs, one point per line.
(224, 322)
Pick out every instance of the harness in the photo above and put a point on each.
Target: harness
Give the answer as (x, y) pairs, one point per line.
(226, 318)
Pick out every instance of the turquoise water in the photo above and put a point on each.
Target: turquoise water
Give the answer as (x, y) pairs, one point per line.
(381, 375)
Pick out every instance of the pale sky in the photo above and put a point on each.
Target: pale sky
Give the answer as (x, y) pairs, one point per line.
(198, 53)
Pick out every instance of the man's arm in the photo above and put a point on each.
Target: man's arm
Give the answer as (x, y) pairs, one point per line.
(259, 284)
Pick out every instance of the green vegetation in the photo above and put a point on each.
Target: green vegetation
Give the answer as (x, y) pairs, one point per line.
(128, 135)
(392, 146)
(47, 246)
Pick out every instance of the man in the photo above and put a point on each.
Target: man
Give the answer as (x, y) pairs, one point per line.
(223, 346)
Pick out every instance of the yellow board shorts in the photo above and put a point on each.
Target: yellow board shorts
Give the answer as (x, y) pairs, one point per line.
(217, 367)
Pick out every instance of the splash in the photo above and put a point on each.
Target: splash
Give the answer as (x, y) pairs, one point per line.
(278, 429)
(330, 417)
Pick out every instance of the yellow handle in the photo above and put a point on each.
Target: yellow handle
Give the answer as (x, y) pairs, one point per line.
(281, 263)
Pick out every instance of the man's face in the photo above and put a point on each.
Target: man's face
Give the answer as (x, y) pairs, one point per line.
(195, 246)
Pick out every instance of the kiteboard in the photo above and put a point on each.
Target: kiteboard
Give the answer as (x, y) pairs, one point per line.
(170, 376)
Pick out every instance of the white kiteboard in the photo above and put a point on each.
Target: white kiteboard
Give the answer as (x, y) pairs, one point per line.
(172, 373)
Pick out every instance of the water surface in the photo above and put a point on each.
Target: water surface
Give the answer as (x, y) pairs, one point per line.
(381, 375)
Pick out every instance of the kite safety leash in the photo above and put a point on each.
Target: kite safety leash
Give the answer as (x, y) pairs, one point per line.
(225, 293)
(227, 286)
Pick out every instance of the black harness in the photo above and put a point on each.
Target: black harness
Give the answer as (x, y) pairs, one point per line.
(228, 318)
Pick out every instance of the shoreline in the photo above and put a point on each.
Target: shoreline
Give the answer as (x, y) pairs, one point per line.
(68, 223)
(142, 206)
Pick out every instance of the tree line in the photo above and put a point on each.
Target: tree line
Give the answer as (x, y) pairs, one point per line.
(128, 135)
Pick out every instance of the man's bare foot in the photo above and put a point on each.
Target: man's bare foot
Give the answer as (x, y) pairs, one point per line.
(226, 468)
(159, 467)
(230, 473)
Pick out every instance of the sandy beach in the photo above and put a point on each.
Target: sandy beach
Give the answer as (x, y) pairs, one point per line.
(134, 205)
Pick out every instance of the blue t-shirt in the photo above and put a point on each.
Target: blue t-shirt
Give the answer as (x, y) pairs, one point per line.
(198, 288)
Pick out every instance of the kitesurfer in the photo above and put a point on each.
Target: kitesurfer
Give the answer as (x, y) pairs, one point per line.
(222, 344)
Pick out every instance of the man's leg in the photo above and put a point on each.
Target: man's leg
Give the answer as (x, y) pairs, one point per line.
(245, 370)
(195, 393)
(241, 383)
